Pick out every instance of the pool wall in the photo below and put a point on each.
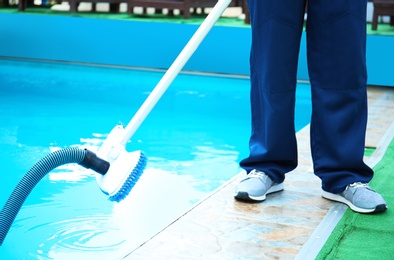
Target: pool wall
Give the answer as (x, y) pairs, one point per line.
(153, 45)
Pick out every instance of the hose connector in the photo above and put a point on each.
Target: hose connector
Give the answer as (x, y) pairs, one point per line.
(91, 161)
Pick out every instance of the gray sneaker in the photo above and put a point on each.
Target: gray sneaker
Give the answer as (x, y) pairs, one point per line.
(256, 186)
(359, 197)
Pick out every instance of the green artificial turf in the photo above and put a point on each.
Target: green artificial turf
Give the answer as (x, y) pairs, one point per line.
(367, 236)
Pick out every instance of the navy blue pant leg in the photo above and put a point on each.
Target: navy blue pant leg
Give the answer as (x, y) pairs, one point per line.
(336, 60)
(277, 27)
(336, 39)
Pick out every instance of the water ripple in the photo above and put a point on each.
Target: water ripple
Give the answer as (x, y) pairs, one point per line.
(81, 236)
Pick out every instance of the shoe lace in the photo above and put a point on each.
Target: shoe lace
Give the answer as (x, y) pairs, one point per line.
(256, 174)
(359, 185)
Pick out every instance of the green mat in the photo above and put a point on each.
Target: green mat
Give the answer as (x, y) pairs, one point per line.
(367, 236)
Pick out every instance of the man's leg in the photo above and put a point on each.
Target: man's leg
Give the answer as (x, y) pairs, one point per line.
(336, 32)
(276, 32)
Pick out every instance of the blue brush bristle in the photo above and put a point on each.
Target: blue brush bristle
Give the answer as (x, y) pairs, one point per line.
(131, 180)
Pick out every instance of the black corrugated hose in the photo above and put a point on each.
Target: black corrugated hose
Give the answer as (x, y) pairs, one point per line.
(84, 158)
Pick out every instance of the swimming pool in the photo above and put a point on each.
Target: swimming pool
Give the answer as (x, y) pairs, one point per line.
(194, 139)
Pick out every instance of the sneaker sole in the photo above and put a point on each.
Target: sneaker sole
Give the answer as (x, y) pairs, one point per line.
(338, 198)
(242, 195)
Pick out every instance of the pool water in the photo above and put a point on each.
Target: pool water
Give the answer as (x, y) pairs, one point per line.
(194, 139)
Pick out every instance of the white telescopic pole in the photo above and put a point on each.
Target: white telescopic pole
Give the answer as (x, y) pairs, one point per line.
(174, 69)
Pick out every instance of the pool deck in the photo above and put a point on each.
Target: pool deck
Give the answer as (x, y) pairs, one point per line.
(288, 225)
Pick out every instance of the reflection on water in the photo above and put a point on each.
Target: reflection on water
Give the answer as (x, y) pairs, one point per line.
(194, 139)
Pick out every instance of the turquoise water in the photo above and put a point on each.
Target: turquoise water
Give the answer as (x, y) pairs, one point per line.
(194, 139)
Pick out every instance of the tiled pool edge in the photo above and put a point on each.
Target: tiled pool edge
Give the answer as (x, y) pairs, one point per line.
(237, 216)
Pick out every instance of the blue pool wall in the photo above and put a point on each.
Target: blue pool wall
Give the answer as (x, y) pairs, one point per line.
(154, 45)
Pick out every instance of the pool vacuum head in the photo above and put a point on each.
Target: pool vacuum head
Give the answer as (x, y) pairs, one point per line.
(125, 167)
